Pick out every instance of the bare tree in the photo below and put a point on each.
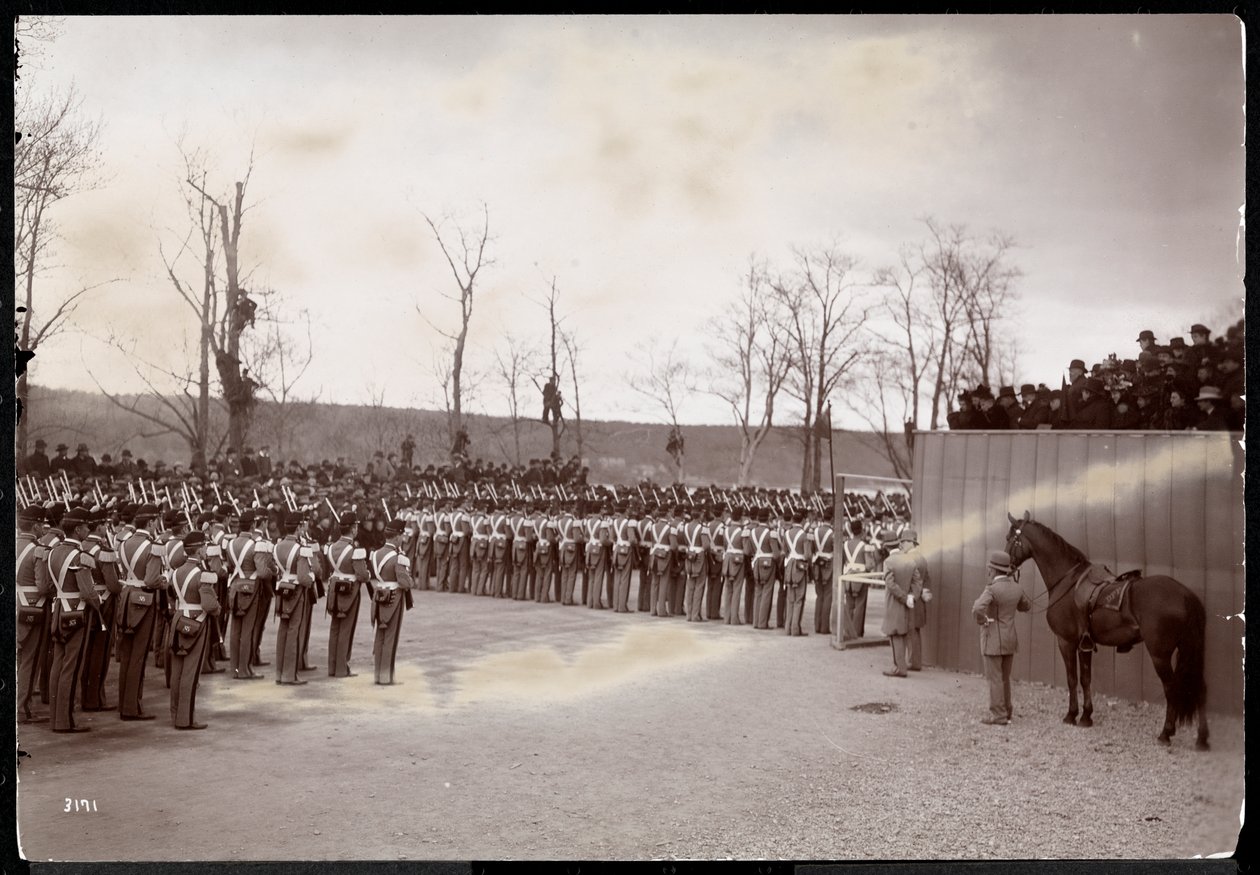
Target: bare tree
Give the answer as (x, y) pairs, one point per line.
(572, 349)
(469, 250)
(822, 321)
(553, 403)
(945, 298)
(751, 359)
(284, 358)
(513, 360)
(880, 395)
(169, 403)
(664, 378)
(55, 155)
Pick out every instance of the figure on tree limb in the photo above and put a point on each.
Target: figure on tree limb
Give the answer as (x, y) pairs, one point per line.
(552, 402)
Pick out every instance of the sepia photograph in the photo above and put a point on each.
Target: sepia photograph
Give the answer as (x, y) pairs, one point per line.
(513, 392)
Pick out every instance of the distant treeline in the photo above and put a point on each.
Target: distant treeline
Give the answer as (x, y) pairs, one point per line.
(617, 452)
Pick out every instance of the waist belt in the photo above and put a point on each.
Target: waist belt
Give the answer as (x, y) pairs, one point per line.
(760, 555)
(192, 611)
(731, 552)
(349, 578)
(826, 556)
(133, 581)
(385, 584)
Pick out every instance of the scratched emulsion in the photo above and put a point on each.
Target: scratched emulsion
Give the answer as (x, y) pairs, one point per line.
(412, 693)
(542, 675)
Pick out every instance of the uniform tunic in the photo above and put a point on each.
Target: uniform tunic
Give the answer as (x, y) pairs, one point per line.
(348, 562)
(32, 620)
(391, 585)
(141, 560)
(193, 586)
(252, 569)
(100, 640)
(75, 605)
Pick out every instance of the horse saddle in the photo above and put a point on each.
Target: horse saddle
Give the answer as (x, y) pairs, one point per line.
(1098, 590)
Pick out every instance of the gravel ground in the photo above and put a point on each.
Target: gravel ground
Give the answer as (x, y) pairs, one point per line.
(526, 731)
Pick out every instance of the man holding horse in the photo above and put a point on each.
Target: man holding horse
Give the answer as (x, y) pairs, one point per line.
(995, 611)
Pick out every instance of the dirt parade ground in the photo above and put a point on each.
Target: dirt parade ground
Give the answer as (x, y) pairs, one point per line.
(524, 730)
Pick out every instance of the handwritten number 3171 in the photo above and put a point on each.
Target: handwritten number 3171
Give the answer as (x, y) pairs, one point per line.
(79, 805)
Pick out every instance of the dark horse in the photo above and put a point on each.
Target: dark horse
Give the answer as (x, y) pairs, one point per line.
(1170, 619)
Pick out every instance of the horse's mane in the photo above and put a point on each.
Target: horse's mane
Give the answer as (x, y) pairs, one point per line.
(1057, 542)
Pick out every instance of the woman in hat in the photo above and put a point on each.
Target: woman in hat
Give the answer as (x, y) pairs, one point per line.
(995, 611)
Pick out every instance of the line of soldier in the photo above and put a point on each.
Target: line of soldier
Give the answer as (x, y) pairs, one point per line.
(131, 579)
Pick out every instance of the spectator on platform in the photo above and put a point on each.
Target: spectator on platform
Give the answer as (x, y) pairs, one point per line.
(1212, 406)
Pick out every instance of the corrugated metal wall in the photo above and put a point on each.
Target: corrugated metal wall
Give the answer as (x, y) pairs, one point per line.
(1166, 503)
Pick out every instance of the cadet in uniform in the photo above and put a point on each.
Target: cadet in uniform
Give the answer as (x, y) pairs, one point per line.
(521, 525)
(71, 572)
(141, 559)
(293, 581)
(824, 583)
(100, 637)
(479, 553)
(251, 567)
(713, 565)
(798, 556)
(544, 555)
(733, 570)
(661, 535)
(765, 556)
(348, 560)
(569, 532)
(33, 608)
(625, 537)
(500, 538)
(195, 607)
(598, 542)
(858, 556)
(391, 596)
(695, 541)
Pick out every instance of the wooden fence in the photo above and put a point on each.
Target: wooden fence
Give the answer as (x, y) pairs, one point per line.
(1166, 503)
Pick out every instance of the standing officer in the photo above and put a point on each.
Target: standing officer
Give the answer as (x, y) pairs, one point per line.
(313, 551)
(995, 611)
(71, 572)
(460, 566)
(249, 554)
(796, 570)
(901, 590)
(391, 595)
(918, 619)
(347, 560)
(293, 581)
(645, 525)
(141, 559)
(100, 637)
(422, 551)
(195, 606)
(33, 608)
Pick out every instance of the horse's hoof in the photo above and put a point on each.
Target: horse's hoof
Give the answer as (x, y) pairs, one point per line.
(1202, 744)
(1165, 740)
(1070, 720)
(1086, 721)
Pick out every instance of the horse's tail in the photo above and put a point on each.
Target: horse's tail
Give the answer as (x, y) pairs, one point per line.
(1189, 689)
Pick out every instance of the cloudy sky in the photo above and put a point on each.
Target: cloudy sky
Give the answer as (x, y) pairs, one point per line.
(640, 161)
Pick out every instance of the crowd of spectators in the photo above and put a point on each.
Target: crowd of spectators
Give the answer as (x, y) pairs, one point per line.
(1175, 387)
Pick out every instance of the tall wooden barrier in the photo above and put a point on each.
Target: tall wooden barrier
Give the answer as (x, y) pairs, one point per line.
(1165, 503)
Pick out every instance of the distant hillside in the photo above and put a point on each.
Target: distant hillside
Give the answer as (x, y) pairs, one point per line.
(615, 451)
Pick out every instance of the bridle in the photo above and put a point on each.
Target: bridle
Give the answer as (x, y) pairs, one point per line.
(1016, 541)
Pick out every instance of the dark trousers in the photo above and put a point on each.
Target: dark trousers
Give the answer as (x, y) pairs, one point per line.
(898, 652)
(304, 631)
(241, 633)
(288, 637)
(385, 648)
(763, 594)
(63, 674)
(341, 634)
(185, 674)
(823, 606)
(997, 671)
(914, 647)
(853, 611)
(266, 595)
(713, 587)
(733, 590)
(133, 652)
(96, 657)
(621, 588)
(694, 598)
(568, 577)
(32, 641)
(795, 608)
